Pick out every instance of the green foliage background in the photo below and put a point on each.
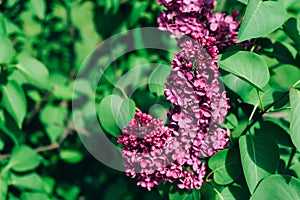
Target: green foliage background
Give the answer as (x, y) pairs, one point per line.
(44, 42)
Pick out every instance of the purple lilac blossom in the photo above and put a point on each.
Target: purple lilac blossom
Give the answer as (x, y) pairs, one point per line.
(155, 153)
(196, 17)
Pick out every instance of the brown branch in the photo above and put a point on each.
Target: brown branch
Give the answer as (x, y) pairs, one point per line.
(37, 108)
(55, 145)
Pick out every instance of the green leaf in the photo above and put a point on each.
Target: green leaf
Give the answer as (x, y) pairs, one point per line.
(125, 113)
(255, 97)
(244, 1)
(284, 77)
(295, 117)
(283, 53)
(14, 101)
(21, 163)
(261, 18)
(34, 196)
(71, 156)
(52, 114)
(186, 195)
(61, 88)
(277, 133)
(226, 166)
(39, 8)
(2, 144)
(247, 66)
(114, 113)
(237, 85)
(30, 181)
(158, 78)
(3, 189)
(277, 187)
(35, 72)
(212, 191)
(54, 119)
(6, 49)
(292, 29)
(135, 15)
(259, 156)
(2, 26)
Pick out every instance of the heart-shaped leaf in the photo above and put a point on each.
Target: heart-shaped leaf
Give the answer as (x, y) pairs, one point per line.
(261, 18)
(248, 66)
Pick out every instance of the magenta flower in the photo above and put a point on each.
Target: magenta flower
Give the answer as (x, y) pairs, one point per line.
(154, 153)
(176, 153)
(195, 17)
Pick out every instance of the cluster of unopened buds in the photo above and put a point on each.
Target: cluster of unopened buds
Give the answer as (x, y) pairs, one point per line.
(155, 152)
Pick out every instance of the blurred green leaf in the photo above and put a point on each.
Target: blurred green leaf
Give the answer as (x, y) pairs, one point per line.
(2, 26)
(6, 49)
(30, 181)
(3, 189)
(2, 144)
(61, 88)
(21, 163)
(254, 25)
(34, 71)
(14, 101)
(295, 117)
(68, 192)
(114, 113)
(247, 66)
(259, 156)
(277, 187)
(135, 15)
(158, 78)
(52, 114)
(39, 8)
(71, 156)
(226, 166)
(125, 113)
(54, 118)
(244, 1)
(34, 196)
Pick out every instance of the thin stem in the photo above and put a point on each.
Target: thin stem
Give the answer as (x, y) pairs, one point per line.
(207, 177)
(260, 100)
(253, 112)
(55, 145)
(295, 84)
(262, 112)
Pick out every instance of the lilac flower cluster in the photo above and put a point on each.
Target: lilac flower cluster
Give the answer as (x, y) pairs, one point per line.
(176, 153)
(155, 153)
(195, 17)
(199, 104)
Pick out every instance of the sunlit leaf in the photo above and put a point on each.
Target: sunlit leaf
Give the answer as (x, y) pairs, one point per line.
(261, 18)
(21, 163)
(247, 66)
(14, 101)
